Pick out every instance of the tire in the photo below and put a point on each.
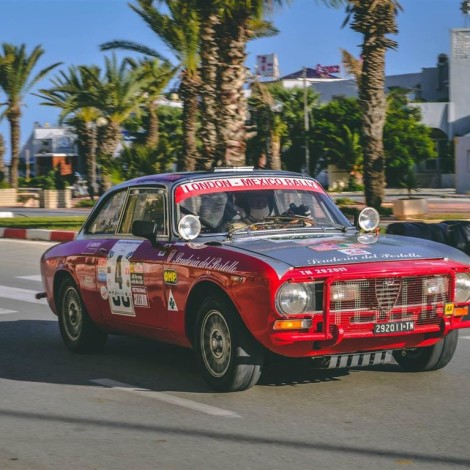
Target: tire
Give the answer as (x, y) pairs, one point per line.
(428, 358)
(228, 356)
(78, 332)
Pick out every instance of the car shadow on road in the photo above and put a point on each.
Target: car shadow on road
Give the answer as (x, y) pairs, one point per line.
(33, 351)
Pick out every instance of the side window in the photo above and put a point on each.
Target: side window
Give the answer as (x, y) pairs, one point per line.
(146, 204)
(107, 219)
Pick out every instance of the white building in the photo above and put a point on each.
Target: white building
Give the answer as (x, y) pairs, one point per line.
(50, 148)
(444, 95)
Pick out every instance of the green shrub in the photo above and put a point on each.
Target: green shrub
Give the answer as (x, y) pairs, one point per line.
(86, 203)
(344, 201)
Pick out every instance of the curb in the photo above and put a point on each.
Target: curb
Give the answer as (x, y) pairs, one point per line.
(38, 234)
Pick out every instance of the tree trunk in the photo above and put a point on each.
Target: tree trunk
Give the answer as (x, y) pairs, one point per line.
(232, 97)
(373, 102)
(109, 137)
(209, 131)
(275, 152)
(13, 116)
(2, 159)
(152, 137)
(188, 91)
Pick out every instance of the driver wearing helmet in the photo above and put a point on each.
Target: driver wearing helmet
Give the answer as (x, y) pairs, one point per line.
(257, 206)
(251, 207)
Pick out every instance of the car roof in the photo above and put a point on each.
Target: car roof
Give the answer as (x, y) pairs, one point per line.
(186, 176)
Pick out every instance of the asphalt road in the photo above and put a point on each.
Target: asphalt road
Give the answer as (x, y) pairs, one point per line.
(143, 405)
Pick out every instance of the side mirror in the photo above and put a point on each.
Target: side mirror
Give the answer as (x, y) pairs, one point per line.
(145, 229)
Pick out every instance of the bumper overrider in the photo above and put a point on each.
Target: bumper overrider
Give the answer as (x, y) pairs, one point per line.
(379, 311)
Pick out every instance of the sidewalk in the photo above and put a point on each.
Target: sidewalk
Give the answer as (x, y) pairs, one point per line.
(38, 234)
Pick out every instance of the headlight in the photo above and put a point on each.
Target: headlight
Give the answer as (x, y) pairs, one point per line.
(189, 227)
(462, 287)
(344, 292)
(292, 298)
(435, 286)
(368, 219)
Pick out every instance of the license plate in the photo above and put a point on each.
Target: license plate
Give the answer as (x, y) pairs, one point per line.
(393, 327)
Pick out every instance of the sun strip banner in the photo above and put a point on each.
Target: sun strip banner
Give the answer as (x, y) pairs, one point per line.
(197, 188)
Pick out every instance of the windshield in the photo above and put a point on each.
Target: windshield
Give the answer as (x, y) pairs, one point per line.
(222, 211)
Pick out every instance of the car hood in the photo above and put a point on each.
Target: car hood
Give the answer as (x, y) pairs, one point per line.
(301, 250)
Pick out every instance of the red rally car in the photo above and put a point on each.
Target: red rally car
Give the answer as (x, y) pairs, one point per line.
(236, 263)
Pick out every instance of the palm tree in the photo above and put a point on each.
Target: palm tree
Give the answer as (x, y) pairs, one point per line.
(69, 92)
(16, 80)
(270, 126)
(98, 102)
(374, 19)
(179, 30)
(158, 73)
(239, 22)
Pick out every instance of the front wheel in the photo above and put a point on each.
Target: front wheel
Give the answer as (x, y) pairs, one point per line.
(428, 358)
(78, 331)
(229, 358)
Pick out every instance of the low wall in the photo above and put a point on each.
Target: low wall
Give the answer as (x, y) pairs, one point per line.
(8, 197)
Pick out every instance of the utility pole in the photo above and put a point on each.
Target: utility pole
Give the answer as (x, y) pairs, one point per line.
(307, 124)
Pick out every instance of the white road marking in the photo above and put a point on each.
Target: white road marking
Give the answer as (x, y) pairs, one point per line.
(34, 277)
(4, 311)
(192, 405)
(464, 337)
(24, 295)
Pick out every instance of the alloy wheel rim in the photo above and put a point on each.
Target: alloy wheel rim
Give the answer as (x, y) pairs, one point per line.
(72, 314)
(216, 344)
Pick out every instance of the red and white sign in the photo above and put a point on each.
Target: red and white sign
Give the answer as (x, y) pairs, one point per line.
(327, 69)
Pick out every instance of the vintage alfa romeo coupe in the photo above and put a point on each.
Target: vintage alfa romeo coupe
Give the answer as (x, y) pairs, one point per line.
(241, 263)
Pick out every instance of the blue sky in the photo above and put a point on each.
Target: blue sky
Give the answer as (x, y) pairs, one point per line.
(71, 31)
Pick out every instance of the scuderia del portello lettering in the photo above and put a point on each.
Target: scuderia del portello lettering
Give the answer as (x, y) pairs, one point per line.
(209, 262)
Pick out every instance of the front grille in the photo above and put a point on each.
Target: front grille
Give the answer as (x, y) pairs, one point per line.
(389, 299)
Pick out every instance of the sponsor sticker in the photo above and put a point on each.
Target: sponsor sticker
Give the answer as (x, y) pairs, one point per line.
(137, 279)
(118, 277)
(104, 292)
(101, 276)
(87, 282)
(170, 276)
(354, 252)
(140, 297)
(172, 307)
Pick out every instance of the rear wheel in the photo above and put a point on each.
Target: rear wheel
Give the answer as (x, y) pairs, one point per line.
(428, 358)
(229, 358)
(78, 332)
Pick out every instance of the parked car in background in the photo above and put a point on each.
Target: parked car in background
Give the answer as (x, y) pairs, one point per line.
(238, 264)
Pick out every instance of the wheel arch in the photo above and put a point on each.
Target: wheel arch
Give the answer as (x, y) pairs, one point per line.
(59, 279)
(200, 291)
